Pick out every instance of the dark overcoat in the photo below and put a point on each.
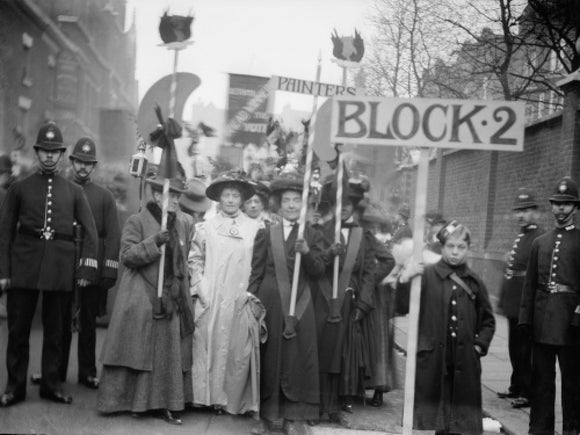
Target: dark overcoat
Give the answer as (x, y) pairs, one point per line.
(104, 211)
(555, 257)
(287, 365)
(476, 325)
(129, 341)
(512, 286)
(333, 336)
(31, 204)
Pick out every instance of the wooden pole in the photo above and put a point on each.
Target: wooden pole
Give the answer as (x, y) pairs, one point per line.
(415, 298)
(338, 209)
(165, 204)
(305, 191)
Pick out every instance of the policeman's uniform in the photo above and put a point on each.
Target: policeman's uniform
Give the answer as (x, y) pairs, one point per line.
(37, 255)
(550, 295)
(90, 298)
(519, 345)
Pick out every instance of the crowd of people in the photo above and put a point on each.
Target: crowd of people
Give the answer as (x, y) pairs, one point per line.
(228, 300)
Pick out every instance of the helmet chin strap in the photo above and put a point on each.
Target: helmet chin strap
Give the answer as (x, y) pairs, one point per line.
(563, 221)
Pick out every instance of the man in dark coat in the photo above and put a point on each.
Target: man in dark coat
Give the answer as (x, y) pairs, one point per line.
(342, 333)
(456, 325)
(519, 345)
(37, 255)
(93, 297)
(289, 387)
(549, 303)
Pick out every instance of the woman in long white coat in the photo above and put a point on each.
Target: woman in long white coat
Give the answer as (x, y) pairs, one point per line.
(220, 263)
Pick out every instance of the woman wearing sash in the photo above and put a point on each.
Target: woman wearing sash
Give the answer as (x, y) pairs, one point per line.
(220, 261)
(346, 334)
(289, 359)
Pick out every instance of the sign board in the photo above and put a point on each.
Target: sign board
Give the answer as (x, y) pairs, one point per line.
(247, 109)
(307, 87)
(425, 122)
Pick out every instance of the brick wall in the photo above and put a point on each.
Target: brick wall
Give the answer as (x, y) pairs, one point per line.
(478, 187)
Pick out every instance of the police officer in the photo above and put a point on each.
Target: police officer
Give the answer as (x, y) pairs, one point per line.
(550, 295)
(525, 212)
(37, 255)
(93, 297)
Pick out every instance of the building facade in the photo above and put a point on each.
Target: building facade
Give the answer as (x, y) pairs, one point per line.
(71, 61)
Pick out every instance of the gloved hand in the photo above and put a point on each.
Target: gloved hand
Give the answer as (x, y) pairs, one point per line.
(357, 315)
(4, 284)
(411, 270)
(335, 249)
(161, 237)
(107, 283)
(301, 246)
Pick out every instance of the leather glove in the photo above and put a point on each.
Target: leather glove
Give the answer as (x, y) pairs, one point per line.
(301, 246)
(357, 315)
(335, 249)
(161, 237)
(107, 283)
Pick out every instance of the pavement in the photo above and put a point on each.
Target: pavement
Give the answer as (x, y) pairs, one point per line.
(40, 416)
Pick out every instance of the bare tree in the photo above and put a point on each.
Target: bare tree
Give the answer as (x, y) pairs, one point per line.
(408, 38)
(558, 25)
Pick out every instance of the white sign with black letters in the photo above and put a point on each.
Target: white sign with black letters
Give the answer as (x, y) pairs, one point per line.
(426, 122)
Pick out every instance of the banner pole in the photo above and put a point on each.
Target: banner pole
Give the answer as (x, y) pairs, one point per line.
(415, 297)
(165, 203)
(305, 192)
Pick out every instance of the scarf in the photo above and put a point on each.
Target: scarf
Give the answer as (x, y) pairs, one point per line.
(175, 288)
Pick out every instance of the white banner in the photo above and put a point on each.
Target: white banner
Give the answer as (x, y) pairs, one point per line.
(307, 87)
(426, 122)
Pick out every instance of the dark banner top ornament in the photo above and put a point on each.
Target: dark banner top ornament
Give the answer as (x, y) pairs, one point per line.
(348, 48)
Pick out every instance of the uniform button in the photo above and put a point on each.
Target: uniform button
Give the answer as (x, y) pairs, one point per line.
(552, 283)
(49, 195)
(453, 302)
(50, 180)
(520, 235)
(553, 274)
(49, 211)
(554, 266)
(513, 252)
(517, 240)
(454, 287)
(49, 202)
(559, 236)
(556, 250)
(453, 334)
(555, 258)
(454, 318)
(48, 219)
(48, 228)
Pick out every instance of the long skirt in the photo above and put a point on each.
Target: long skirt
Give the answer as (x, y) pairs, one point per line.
(166, 386)
(384, 376)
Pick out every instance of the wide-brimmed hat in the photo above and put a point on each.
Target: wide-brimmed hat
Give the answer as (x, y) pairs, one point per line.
(565, 191)
(524, 199)
(49, 138)
(261, 190)
(194, 198)
(287, 181)
(175, 184)
(85, 150)
(229, 179)
(354, 190)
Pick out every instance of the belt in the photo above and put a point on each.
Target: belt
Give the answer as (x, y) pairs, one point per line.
(510, 273)
(46, 235)
(557, 288)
